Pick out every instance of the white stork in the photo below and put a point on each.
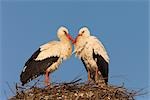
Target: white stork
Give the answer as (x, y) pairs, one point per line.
(93, 55)
(48, 57)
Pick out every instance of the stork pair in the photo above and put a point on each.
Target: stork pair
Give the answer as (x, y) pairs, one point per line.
(50, 55)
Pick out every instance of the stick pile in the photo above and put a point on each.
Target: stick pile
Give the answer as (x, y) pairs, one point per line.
(74, 91)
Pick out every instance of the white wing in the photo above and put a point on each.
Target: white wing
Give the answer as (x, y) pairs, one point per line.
(98, 47)
(48, 50)
(86, 46)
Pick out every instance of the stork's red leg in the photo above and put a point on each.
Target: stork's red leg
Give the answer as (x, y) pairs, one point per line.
(89, 75)
(96, 74)
(47, 83)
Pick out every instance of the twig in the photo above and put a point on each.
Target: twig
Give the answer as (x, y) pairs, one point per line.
(73, 82)
(78, 76)
(35, 83)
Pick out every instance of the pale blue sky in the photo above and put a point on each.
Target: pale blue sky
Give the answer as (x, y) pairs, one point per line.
(121, 26)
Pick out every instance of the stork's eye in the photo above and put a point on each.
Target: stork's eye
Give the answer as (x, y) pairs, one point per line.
(83, 32)
(65, 32)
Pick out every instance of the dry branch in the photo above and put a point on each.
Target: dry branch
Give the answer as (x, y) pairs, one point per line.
(74, 90)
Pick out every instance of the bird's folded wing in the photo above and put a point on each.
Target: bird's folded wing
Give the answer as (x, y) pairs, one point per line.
(48, 50)
(99, 48)
(33, 69)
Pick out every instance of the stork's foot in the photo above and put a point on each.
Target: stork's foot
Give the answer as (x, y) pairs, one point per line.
(89, 78)
(89, 81)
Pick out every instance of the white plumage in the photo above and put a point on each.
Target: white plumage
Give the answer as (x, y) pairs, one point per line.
(93, 55)
(47, 51)
(48, 57)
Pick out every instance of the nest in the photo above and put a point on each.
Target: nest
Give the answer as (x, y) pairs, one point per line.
(74, 91)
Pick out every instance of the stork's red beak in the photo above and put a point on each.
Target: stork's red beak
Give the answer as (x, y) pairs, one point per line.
(70, 38)
(76, 38)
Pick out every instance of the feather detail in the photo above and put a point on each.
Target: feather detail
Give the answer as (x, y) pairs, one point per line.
(48, 50)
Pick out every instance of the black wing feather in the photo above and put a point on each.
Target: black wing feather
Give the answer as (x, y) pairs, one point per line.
(102, 66)
(84, 63)
(35, 68)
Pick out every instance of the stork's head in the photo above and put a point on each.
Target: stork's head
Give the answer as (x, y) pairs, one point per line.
(63, 34)
(83, 33)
